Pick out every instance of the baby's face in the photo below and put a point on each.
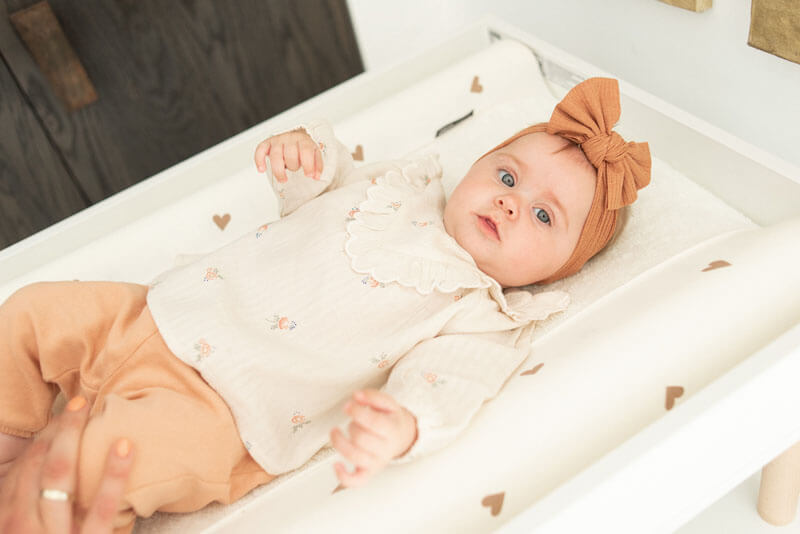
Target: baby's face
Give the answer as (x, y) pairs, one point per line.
(519, 210)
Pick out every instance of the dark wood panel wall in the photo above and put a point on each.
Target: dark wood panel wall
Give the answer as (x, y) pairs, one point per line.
(172, 78)
(35, 186)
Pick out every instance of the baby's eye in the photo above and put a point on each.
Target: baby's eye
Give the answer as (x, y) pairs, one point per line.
(506, 178)
(541, 215)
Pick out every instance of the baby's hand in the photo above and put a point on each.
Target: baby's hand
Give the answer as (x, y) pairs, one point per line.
(380, 431)
(290, 150)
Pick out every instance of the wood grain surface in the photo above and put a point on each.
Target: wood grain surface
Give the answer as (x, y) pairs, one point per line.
(35, 188)
(39, 29)
(176, 77)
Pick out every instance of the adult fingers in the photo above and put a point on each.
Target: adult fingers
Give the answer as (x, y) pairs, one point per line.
(105, 504)
(262, 151)
(19, 495)
(276, 160)
(59, 470)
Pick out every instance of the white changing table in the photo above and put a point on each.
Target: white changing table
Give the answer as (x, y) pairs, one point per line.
(666, 474)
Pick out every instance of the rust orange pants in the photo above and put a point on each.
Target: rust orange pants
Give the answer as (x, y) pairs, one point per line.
(98, 339)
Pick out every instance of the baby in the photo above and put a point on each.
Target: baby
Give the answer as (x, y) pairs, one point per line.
(373, 299)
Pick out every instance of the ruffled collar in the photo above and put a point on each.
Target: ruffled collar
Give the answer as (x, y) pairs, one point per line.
(397, 235)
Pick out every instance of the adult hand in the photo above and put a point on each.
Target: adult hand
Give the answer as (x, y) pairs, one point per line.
(380, 430)
(37, 494)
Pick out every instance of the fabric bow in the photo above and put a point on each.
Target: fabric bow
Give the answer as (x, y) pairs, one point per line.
(586, 116)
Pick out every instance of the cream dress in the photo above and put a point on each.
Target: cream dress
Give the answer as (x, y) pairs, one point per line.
(357, 285)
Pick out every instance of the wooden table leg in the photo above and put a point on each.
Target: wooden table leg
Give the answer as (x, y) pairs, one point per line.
(780, 488)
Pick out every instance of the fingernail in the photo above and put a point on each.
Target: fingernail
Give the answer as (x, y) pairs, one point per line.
(123, 447)
(76, 404)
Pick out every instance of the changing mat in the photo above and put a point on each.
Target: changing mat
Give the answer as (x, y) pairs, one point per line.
(514, 433)
(594, 377)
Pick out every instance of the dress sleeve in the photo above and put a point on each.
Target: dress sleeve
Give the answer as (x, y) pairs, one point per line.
(338, 169)
(444, 380)
(298, 188)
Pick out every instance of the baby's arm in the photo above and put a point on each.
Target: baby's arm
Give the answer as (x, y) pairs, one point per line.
(312, 148)
(380, 431)
(444, 381)
(326, 164)
(431, 394)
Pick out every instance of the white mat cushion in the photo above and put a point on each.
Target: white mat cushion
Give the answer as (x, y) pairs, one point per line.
(601, 377)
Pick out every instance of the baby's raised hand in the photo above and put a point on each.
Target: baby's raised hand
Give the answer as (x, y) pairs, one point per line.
(380, 430)
(290, 150)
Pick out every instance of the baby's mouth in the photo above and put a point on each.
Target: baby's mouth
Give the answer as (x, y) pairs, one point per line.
(489, 226)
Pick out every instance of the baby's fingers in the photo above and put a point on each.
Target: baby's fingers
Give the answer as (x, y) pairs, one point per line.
(357, 456)
(318, 165)
(262, 151)
(291, 156)
(358, 477)
(308, 158)
(369, 418)
(277, 162)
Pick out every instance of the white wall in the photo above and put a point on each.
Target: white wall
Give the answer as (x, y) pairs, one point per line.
(697, 61)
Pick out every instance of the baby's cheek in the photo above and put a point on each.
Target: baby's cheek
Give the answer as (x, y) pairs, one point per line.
(542, 258)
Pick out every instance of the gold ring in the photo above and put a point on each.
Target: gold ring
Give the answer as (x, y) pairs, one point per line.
(55, 495)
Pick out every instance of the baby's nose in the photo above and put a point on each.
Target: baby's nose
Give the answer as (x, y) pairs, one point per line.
(507, 204)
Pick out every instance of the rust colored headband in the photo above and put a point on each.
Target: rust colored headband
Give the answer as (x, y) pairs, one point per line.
(586, 117)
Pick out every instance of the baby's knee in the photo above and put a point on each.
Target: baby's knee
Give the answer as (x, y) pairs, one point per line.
(26, 295)
(37, 298)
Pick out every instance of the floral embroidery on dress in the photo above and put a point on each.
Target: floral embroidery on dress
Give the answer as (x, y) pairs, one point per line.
(212, 273)
(298, 421)
(381, 361)
(203, 349)
(394, 205)
(261, 230)
(371, 282)
(421, 224)
(351, 215)
(433, 380)
(282, 323)
(458, 297)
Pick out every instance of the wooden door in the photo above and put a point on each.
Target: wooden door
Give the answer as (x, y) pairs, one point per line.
(176, 77)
